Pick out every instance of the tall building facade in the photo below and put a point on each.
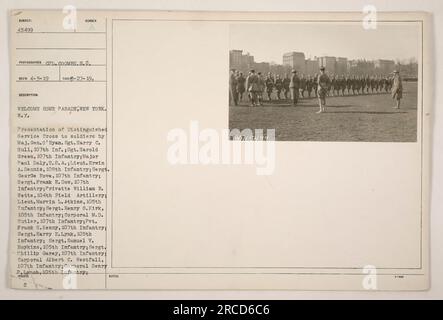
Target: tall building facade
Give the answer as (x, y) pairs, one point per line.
(328, 63)
(312, 66)
(240, 61)
(384, 66)
(235, 57)
(333, 65)
(295, 60)
(361, 67)
(341, 66)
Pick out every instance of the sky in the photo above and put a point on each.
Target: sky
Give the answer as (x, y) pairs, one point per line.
(268, 41)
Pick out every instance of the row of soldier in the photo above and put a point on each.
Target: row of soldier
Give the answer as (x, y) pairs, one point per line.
(279, 87)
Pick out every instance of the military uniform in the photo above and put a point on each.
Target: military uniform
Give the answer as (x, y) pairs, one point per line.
(269, 83)
(386, 84)
(390, 82)
(348, 84)
(309, 85)
(343, 85)
(294, 87)
(382, 84)
(261, 89)
(278, 87)
(240, 87)
(397, 87)
(233, 89)
(324, 84)
(358, 85)
(286, 83)
(333, 84)
(252, 85)
(302, 86)
(354, 85)
(367, 84)
(373, 84)
(378, 84)
(315, 84)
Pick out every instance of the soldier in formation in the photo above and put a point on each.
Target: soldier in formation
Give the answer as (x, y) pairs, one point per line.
(252, 87)
(302, 86)
(240, 86)
(269, 84)
(309, 86)
(233, 96)
(256, 85)
(261, 88)
(278, 86)
(286, 83)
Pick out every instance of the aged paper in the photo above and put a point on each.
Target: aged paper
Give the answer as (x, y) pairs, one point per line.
(203, 150)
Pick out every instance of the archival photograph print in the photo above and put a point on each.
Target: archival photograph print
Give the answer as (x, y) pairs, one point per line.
(326, 81)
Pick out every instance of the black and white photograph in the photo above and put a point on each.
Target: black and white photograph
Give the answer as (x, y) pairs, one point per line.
(329, 81)
(253, 153)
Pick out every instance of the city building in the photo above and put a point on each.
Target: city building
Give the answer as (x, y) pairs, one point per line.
(352, 66)
(244, 62)
(384, 66)
(295, 60)
(235, 57)
(240, 61)
(361, 67)
(328, 63)
(312, 66)
(341, 66)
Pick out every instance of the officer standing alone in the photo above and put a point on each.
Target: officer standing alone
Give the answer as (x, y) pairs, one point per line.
(324, 84)
(294, 86)
(397, 89)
